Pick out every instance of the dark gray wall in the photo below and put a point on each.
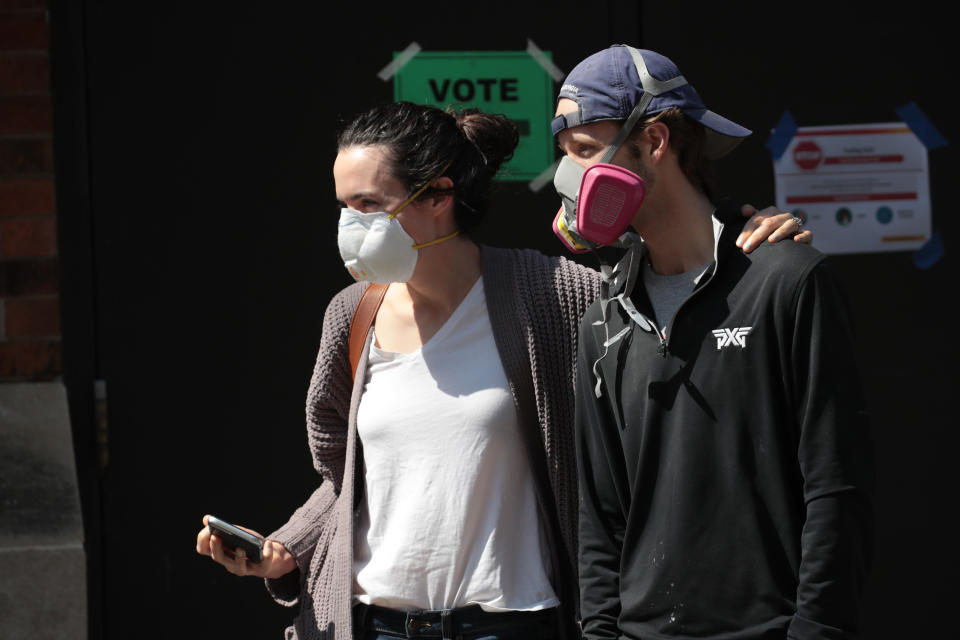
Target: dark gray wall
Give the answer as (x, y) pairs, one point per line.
(201, 252)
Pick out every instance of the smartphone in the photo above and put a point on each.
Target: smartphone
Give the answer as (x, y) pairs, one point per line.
(234, 537)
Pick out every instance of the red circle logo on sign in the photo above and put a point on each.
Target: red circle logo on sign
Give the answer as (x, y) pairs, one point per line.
(807, 155)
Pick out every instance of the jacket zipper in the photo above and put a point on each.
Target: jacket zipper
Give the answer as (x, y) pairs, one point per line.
(664, 344)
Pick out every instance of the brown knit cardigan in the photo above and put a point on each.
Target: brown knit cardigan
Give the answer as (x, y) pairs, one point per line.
(535, 303)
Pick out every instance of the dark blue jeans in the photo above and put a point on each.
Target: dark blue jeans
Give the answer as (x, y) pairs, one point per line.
(466, 623)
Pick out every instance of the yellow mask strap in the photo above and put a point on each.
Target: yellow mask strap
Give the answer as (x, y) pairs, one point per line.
(437, 241)
(419, 191)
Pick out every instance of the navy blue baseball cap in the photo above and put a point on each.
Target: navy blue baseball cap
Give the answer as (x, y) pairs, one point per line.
(608, 86)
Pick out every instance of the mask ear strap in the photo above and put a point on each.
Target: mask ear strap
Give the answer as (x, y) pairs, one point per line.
(627, 127)
(437, 241)
(651, 87)
(419, 191)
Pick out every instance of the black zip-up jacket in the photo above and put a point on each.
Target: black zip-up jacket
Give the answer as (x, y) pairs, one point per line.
(726, 474)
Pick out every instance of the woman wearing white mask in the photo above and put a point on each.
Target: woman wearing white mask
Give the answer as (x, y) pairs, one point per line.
(448, 502)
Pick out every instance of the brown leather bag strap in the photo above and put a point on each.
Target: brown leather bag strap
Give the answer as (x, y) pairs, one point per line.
(362, 321)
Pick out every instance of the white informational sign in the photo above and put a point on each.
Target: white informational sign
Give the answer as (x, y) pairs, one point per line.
(859, 188)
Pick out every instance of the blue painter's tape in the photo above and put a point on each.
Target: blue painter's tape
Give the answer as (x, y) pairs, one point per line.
(921, 126)
(930, 253)
(782, 135)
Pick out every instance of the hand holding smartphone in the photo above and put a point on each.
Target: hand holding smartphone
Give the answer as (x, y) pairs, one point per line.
(236, 538)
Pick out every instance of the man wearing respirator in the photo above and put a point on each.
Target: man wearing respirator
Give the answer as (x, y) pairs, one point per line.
(725, 461)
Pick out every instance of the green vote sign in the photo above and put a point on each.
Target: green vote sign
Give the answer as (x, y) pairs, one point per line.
(509, 82)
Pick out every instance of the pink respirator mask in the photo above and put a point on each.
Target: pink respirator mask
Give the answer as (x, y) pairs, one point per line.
(599, 203)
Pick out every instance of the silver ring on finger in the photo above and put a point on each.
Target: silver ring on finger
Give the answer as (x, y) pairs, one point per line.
(798, 220)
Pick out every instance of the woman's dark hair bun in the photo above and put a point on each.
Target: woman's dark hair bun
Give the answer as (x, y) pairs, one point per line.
(494, 135)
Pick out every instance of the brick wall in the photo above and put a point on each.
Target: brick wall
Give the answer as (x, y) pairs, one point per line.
(29, 301)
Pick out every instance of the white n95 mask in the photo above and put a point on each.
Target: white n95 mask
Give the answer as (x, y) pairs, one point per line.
(376, 248)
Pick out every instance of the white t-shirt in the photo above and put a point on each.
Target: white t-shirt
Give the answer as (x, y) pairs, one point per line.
(450, 515)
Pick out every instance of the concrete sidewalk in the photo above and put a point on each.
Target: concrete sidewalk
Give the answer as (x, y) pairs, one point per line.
(42, 560)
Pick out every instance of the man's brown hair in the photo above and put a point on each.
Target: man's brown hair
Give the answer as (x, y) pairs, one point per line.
(688, 140)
